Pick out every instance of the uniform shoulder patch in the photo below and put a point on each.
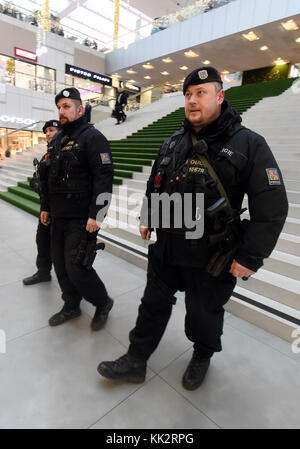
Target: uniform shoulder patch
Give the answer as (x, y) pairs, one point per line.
(273, 176)
(105, 158)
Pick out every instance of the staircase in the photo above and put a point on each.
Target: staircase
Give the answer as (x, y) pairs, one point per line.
(270, 299)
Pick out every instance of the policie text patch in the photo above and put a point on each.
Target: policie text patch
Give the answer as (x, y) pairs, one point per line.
(273, 176)
(105, 158)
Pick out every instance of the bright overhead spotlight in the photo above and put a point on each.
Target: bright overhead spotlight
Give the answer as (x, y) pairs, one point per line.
(251, 36)
(191, 54)
(167, 60)
(131, 81)
(279, 61)
(264, 48)
(290, 25)
(147, 77)
(184, 67)
(206, 62)
(131, 71)
(164, 73)
(148, 66)
(225, 72)
(298, 39)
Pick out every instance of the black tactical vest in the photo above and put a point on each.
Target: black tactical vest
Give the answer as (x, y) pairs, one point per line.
(68, 171)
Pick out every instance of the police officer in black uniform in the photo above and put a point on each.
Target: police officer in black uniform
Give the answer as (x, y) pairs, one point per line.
(43, 260)
(216, 155)
(78, 169)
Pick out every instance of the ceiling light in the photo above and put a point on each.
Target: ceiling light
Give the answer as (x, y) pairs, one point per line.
(131, 81)
(225, 72)
(184, 67)
(148, 66)
(290, 25)
(190, 54)
(182, 81)
(167, 60)
(131, 71)
(206, 61)
(116, 75)
(251, 36)
(147, 77)
(164, 73)
(264, 48)
(298, 40)
(279, 61)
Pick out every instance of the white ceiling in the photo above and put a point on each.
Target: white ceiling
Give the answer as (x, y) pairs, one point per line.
(233, 53)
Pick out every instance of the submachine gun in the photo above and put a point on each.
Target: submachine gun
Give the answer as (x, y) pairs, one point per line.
(224, 223)
(86, 252)
(34, 182)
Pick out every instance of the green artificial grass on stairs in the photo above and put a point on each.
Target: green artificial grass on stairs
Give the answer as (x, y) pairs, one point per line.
(140, 148)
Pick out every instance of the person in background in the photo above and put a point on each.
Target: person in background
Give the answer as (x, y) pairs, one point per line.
(88, 111)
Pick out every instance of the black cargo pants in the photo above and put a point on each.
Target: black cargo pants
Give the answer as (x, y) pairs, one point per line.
(75, 281)
(43, 260)
(204, 300)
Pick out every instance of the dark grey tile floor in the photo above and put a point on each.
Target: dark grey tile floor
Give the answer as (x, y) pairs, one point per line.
(48, 376)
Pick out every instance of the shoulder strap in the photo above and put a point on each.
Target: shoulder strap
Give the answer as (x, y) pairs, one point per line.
(211, 171)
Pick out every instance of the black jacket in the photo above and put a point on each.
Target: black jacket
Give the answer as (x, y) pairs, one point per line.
(78, 170)
(245, 165)
(121, 98)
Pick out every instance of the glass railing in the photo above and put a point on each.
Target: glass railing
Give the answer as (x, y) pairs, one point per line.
(161, 23)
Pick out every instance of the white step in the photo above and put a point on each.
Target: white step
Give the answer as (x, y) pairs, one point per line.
(281, 289)
(284, 264)
(266, 319)
(289, 244)
(20, 169)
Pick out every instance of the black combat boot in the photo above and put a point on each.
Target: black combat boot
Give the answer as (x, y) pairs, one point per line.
(125, 368)
(36, 278)
(64, 315)
(195, 372)
(101, 315)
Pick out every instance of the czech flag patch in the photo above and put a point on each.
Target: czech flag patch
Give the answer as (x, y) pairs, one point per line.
(105, 158)
(273, 176)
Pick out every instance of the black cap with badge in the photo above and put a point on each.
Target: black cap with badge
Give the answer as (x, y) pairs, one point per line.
(51, 123)
(206, 74)
(70, 92)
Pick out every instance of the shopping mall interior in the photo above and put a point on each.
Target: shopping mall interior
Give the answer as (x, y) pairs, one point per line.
(48, 375)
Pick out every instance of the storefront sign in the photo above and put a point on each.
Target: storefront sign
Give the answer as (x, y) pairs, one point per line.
(130, 87)
(25, 54)
(7, 121)
(88, 75)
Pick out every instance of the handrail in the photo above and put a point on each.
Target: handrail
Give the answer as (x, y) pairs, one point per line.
(21, 129)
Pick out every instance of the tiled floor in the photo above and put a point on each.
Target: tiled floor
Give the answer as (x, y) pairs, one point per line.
(48, 376)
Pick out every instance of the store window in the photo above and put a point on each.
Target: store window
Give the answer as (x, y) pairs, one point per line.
(45, 79)
(88, 90)
(18, 141)
(24, 75)
(7, 70)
